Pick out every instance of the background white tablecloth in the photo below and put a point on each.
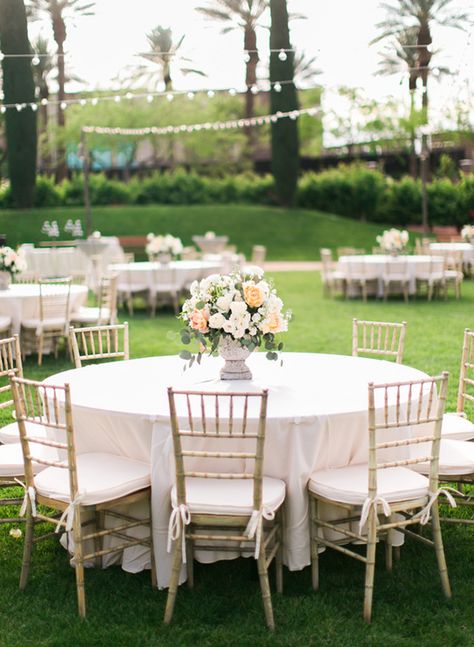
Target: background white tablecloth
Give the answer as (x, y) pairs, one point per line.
(466, 248)
(177, 273)
(21, 301)
(375, 264)
(317, 418)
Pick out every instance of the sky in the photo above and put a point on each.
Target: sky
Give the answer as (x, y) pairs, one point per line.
(338, 32)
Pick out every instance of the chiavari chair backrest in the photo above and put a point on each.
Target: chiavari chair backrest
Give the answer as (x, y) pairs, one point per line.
(10, 364)
(47, 406)
(466, 375)
(259, 253)
(381, 338)
(54, 298)
(108, 296)
(346, 251)
(355, 267)
(26, 278)
(402, 415)
(92, 343)
(229, 422)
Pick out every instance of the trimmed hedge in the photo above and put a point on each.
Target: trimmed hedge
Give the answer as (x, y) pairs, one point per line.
(350, 191)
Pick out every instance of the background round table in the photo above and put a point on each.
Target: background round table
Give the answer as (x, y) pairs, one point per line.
(466, 248)
(178, 273)
(317, 419)
(21, 301)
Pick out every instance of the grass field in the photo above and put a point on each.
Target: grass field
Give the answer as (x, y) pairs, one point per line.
(288, 234)
(225, 607)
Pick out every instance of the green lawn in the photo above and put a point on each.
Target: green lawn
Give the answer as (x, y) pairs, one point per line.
(288, 234)
(225, 606)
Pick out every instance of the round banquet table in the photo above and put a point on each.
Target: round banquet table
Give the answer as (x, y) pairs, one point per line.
(317, 419)
(178, 273)
(21, 301)
(466, 248)
(374, 265)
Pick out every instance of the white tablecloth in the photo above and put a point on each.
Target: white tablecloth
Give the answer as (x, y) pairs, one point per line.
(176, 273)
(21, 301)
(317, 418)
(466, 248)
(374, 266)
(211, 245)
(55, 261)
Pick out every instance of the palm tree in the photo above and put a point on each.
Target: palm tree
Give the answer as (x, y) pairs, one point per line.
(163, 55)
(59, 12)
(304, 68)
(421, 15)
(244, 15)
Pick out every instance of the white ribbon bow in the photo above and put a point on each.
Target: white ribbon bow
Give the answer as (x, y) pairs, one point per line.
(30, 493)
(424, 514)
(255, 526)
(373, 503)
(179, 518)
(68, 514)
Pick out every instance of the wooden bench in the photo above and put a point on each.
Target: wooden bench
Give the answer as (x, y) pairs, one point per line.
(133, 242)
(444, 234)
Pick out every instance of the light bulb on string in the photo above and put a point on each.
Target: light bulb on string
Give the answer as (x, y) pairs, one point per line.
(2, 56)
(149, 98)
(277, 87)
(3, 110)
(190, 95)
(44, 102)
(117, 99)
(129, 95)
(246, 57)
(210, 94)
(34, 107)
(35, 60)
(94, 101)
(82, 102)
(19, 107)
(232, 92)
(282, 55)
(170, 97)
(254, 89)
(63, 105)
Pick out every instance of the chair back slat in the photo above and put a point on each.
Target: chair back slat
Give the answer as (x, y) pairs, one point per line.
(392, 410)
(222, 421)
(99, 342)
(49, 406)
(108, 298)
(380, 338)
(10, 364)
(466, 374)
(54, 298)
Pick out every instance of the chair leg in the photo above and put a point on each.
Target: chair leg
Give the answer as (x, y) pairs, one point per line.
(40, 349)
(388, 552)
(439, 549)
(370, 566)
(397, 553)
(190, 562)
(313, 513)
(99, 525)
(27, 548)
(265, 588)
(79, 563)
(279, 554)
(174, 580)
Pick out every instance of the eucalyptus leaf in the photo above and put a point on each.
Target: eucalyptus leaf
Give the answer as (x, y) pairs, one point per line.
(185, 354)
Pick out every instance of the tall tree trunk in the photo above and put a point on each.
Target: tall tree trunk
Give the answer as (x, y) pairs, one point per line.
(424, 39)
(59, 31)
(250, 45)
(285, 145)
(413, 161)
(18, 87)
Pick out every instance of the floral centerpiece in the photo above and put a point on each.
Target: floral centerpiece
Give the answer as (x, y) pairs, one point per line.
(11, 262)
(393, 241)
(233, 314)
(467, 232)
(163, 248)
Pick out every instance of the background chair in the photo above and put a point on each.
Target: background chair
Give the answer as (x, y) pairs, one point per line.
(5, 326)
(349, 251)
(259, 253)
(92, 343)
(52, 324)
(26, 277)
(380, 338)
(210, 498)
(385, 485)
(432, 278)
(93, 482)
(357, 277)
(106, 310)
(456, 425)
(395, 278)
(128, 288)
(165, 288)
(332, 279)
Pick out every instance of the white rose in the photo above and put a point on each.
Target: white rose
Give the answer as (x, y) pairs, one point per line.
(223, 302)
(217, 320)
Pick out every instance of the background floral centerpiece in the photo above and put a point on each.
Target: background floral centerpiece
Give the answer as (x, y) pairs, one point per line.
(393, 241)
(467, 232)
(163, 248)
(233, 314)
(11, 262)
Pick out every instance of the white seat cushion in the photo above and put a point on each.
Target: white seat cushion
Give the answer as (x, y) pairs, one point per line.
(229, 496)
(457, 427)
(5, 323)
(350, 484)
(91, 315)
(101, 478)
(46, 324)
(11, 434)
(11, 461)
(456, 457)
(133, 287)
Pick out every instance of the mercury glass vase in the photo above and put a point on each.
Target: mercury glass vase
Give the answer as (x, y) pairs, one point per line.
(5, 280)
(234, 355)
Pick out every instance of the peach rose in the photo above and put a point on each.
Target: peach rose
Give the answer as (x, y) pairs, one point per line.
(198, 320)
(273, 323)
(254, 295)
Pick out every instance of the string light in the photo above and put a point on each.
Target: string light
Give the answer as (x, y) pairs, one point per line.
(282, 55)
(190, 95)
(35, 60)
(190, 128)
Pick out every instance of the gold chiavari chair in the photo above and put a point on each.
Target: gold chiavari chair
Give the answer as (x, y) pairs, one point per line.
(213, 505)
(456, 425)
(53, 322)
(92, 343)
(26, 277)
(396, 278)
(332, 279)
(380, 338)
(74, 485)
(259, 253)
(106, 310)
(401, 415)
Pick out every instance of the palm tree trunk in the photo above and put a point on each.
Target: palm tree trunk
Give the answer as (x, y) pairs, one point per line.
(424, 39)
(59, 31)
(250, 45)
(413, 161)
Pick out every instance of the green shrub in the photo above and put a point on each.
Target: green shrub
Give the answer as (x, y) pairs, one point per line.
(402, 203)
(47, 193)
(444, 205)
